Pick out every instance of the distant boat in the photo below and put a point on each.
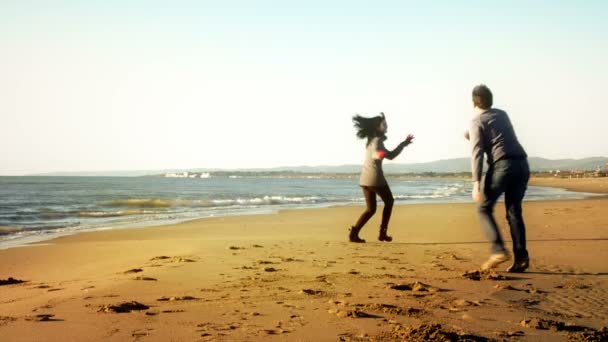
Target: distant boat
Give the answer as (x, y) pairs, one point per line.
(205, 175)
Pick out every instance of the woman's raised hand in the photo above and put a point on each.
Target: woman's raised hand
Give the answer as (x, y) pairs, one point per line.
(409, 139)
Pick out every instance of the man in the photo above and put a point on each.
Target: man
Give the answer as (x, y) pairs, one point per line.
(492, 134)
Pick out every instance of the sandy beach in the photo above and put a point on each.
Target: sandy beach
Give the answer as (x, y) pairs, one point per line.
(293, 276)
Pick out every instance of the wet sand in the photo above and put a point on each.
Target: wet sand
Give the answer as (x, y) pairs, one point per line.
(293, 276)
(588, 184)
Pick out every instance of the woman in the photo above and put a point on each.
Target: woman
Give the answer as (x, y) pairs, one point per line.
(372, 179)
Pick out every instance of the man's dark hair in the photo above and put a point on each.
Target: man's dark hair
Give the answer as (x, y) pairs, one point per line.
(482, 96)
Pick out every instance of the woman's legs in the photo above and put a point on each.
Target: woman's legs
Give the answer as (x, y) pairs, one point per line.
(387, 197)
(370, 201)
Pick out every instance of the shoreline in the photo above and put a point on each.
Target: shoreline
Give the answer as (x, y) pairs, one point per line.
(597, 186)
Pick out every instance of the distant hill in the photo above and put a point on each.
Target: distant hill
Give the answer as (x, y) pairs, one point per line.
(440, 166)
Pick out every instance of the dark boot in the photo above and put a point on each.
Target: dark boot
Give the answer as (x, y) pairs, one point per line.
(383, 236)
(354, 235)
(519, 266)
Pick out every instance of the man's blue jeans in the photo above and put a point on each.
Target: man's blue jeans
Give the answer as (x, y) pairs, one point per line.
(511, 178)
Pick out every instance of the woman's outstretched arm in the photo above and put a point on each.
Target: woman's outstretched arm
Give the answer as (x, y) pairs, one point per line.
(394, 153)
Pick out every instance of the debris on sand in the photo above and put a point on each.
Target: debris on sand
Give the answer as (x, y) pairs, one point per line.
(485, 275)
(161, 257)
(427, 332)
(123, 307)
(312, 292)
(11, 281)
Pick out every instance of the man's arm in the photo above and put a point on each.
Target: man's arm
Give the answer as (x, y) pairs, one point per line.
(477, 148)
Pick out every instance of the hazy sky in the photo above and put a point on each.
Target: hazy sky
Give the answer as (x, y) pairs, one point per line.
(126, 85)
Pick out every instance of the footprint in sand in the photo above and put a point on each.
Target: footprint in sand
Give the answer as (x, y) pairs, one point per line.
(290, 259)
(423, 332)
(352, 313)
(171, 299)
(440, 267)
(450, 256)
(547, 324)
(265, 262)
(175, 259)
(45, 307)
(42, 318)
(145, 278)
(211, 330)
(273, 331)
(530, 289)
(392, 309)
(133, 270)
(417, 288)
(138, 333)
(510, 334)
(6, 319)
(576, 298)
(460, 305)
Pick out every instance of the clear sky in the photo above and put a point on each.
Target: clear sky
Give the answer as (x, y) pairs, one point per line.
(132, 85)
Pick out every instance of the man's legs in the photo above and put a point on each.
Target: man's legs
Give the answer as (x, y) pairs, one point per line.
(514, 195)
(494, 186)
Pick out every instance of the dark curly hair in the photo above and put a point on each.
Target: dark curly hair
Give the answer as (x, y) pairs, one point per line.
(367, 127)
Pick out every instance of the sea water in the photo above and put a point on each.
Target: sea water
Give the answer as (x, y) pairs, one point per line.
(40, 208)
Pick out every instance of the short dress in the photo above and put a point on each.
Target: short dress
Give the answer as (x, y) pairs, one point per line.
(371, 173)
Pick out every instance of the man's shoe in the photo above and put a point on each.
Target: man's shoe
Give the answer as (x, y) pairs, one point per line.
(519, 266)
(495, 260)
(354, 235)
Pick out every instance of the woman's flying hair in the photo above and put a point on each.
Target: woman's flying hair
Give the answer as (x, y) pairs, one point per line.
(367, 127)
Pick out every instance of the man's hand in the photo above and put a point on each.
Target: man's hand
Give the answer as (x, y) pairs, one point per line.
(476, 194)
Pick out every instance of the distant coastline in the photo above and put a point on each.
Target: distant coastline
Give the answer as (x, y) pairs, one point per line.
(456, 167)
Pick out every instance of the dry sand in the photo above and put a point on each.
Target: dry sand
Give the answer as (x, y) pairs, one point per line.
(292, 276)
